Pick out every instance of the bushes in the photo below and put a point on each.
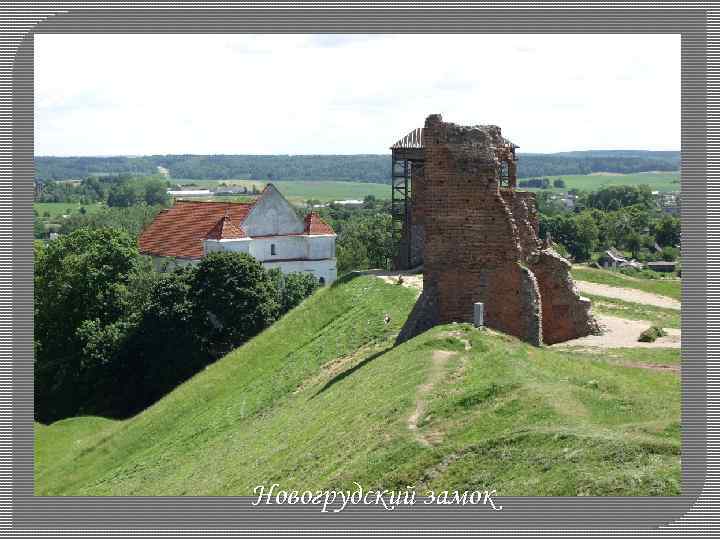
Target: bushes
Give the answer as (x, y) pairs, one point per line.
(113, 336)
(292, 288)
(651, 334)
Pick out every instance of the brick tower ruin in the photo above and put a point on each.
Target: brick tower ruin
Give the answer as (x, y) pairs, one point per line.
(477, 238)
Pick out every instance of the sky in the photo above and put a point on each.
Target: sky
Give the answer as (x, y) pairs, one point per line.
(350, 94)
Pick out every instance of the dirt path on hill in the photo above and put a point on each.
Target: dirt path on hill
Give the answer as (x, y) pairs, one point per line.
(629, 295)
(437, 369)
(415, 281)
(622, 333)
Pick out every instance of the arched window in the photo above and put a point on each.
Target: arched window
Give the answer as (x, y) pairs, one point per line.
(322, 281)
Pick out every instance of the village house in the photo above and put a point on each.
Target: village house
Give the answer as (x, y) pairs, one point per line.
(267, 228)
(612, 258)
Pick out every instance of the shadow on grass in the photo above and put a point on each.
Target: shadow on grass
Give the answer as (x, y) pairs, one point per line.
(340, 376)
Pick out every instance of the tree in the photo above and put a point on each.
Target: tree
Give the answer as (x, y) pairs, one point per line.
(616, 197)
(559, 183)
(586, 237)
(667, 231)
(633, 242)
(365, 242)
(297, 287)
(79, 277)
(370, 202)
(38, 228)
(233, 299)
(124, 194)
(156, 191)
(577, 232)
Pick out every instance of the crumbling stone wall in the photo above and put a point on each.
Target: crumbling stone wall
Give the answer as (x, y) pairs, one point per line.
(524, 210)
(566, 315)
(481, 245)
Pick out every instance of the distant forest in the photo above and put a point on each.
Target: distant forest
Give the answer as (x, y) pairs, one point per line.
(358, 168)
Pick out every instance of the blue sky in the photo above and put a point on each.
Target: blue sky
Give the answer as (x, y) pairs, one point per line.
(350, 94)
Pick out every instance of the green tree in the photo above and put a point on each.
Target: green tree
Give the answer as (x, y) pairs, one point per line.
(125, 194)
(585, 237)
(370, 202)
(79, 277)
(633, 242)
(667, 231)
(297, 287)
(156, 191)
(234, 298)
(364, 242)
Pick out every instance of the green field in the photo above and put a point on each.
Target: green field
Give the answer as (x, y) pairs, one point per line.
(301, 191)
(323, 399)
(663, 286)
(660, 181)
(60, 209)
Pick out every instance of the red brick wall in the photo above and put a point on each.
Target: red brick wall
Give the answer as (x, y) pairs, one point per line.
(481, 245)
(472, 247)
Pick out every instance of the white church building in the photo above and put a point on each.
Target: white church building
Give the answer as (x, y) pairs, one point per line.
(267, 228)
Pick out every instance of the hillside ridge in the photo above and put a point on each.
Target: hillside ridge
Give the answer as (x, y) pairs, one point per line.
(322, 399)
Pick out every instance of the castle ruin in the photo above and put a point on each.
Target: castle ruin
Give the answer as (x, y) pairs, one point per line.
(460, 216)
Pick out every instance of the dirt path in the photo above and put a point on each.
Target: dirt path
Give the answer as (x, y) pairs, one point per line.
(415, 281)
(629, 295)
(622, 333)
(437, 369)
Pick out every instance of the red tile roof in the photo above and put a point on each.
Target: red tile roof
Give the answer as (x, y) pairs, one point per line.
(225, 229)
(179, 231)
(314, 224)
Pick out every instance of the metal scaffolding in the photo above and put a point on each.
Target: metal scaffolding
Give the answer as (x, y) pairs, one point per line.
(407, 157)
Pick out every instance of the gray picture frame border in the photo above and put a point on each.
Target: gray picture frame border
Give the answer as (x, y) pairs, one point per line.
(225, 516)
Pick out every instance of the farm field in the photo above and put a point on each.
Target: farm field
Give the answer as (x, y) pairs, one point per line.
(59, 209)
(301, 191)
(454, 408)
(660, 181)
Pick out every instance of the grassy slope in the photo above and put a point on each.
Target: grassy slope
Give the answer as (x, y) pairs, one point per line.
(503, 415)
(661, 286)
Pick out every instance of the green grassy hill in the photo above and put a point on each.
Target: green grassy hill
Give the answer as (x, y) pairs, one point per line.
(322, 399)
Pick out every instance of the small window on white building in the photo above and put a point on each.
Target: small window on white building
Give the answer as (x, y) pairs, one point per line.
(272, 249)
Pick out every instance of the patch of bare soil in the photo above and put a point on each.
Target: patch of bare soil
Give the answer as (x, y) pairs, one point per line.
(629, 295)
(335, 367)
(655, 367)
(405, 278)
(619, 333)
(437, 369)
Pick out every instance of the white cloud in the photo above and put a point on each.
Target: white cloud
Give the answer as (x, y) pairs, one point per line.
(303, 94)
